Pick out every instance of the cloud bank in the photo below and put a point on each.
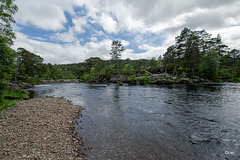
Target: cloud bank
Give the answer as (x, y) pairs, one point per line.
(72, 31)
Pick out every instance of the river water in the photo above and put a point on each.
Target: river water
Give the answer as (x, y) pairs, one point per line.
(155, 122)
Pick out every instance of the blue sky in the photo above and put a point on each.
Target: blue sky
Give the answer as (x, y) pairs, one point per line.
(70, 31)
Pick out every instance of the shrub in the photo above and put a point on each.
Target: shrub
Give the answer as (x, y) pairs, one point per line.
(143, 80)
(86, 77)
(132, 78)
(23, 94)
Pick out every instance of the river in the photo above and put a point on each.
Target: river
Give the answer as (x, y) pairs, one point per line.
(155, 122)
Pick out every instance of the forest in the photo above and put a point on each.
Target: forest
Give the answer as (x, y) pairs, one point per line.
(195, 55)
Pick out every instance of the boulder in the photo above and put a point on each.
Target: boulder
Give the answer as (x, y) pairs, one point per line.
(185, 81)
(117, 77)
(25, 85)
(161, 80)
(174, 78)
(164, 75)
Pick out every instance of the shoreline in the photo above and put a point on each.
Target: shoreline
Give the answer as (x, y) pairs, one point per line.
(40, 128)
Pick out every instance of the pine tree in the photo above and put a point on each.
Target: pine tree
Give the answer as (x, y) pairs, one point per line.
(117, 49)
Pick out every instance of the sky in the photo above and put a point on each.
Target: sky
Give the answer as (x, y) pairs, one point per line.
(71, 31)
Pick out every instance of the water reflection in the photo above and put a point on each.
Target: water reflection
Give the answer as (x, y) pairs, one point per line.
(155, 122)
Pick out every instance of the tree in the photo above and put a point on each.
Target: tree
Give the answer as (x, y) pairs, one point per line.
(93, 74)
(93, 61)
(234, 54)
(210, 64)
(160, 58)
(218, 45)
(128, 68)
(27, 63)
(117, 49)
(170, 57)
(189, 46)
(189, 49)
(7, 10)
(6, 63)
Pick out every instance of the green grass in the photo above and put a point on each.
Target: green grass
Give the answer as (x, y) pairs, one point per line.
(8, 103)
(11, 98)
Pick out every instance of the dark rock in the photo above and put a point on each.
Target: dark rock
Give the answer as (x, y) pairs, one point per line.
(27, 85)
(174, 78)
(60, 81)
(185, 81)
(117, 77)
(23, 85)
(164, 75)
(169, 81)
(161, 80)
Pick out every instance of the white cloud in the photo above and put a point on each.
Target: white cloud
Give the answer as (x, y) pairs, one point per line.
(79, 24)
(136, 18)
(42, 15)
(230, 36)
(153, 52)
(145, 47)
(108, 23)
(94, 39)
(65, 37)
(62, 54)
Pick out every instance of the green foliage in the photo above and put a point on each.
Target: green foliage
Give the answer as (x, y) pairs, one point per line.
(175, 72)
(3, 87)
(6, 58)
(226, 74)
(20, 94)
(195, 53)
(132, 78)
(7, 11)
(8, 103)
(6, 63)
(23, 94)
(86, 77)
(111, 68)
(28, 64)
(198, 54)
(128, 68)
(93, 74)
(33, 80)
(11, 98)
(210, 65)
(143, 80)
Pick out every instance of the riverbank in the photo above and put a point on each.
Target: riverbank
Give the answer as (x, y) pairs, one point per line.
(41, 128)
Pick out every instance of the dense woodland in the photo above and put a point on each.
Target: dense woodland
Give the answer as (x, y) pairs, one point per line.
(195, 53)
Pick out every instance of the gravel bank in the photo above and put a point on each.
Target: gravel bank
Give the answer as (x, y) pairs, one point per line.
(41, 128)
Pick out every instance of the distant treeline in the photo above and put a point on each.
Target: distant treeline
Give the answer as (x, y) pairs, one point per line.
(195, 53)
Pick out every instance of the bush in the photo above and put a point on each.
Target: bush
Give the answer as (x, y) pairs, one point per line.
(132, 78)
(86, 77)
(23, 94)
(227, 74)
(143, 80)
(3, 86)
(210, 65)
(33, 80)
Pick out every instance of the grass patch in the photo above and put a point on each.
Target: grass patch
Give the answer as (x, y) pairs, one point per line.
(11, 98)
